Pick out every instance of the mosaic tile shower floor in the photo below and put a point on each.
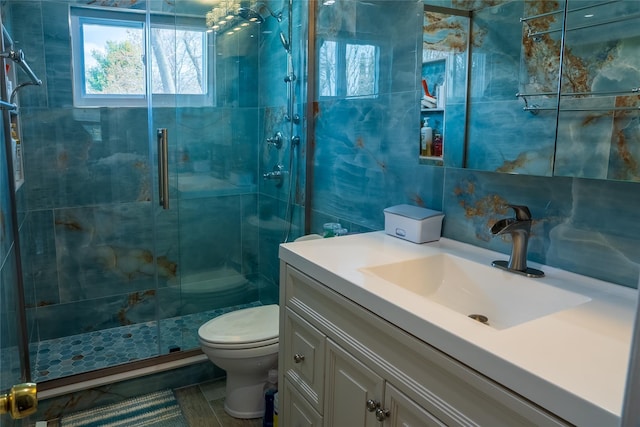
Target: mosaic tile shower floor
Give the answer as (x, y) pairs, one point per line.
(75, 354)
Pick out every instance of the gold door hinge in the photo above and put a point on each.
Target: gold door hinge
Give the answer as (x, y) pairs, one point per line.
(21, 401)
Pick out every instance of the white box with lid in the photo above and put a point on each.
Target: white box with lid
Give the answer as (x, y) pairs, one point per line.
(413, 223)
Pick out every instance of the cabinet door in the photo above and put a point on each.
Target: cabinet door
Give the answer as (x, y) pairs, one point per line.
(302, 358)
(350, 385)
(404, 412)
(297, 412)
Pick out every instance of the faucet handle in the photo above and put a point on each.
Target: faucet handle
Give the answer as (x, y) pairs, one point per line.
(522, 212)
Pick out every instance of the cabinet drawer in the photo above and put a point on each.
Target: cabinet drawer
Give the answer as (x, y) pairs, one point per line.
(302, 358)
(297, 412)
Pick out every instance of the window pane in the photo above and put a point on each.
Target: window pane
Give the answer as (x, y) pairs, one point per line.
(328, 67)
(178, 61)
(113, 59)
(361, 69)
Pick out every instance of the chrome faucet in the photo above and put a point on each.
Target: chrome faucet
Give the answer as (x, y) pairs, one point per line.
(519, 228)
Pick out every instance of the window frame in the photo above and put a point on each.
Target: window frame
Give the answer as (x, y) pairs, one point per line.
(79, 16)
(342, 66)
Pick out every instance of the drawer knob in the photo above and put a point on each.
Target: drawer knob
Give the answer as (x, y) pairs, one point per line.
(297, 358)
(381, 414)
(372, 405)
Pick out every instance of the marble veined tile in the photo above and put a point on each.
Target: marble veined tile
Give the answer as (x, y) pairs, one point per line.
(573, 220)
(493, 129)
(107, 250)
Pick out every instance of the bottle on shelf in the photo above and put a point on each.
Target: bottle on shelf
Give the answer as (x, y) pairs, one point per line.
(437, 145)
(8, 79)
(426, 138)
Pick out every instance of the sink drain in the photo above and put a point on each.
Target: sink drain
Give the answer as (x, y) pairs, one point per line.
(480, 318)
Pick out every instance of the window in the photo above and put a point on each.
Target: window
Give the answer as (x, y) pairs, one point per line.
(109, 51)
(348, 69)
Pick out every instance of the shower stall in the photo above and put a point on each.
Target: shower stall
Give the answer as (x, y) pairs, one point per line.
(156, 189)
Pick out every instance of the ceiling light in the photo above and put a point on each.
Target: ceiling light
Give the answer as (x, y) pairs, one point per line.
(589, 15)
(222, 13)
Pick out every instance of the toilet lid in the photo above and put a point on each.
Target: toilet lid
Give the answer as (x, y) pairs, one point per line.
(247, 325)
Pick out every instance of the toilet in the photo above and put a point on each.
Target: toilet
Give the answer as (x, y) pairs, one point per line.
(245, 344)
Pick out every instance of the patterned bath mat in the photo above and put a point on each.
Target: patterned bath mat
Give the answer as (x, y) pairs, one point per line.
(158, 409)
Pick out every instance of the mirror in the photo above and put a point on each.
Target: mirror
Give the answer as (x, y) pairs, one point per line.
(501, 137)
(523, 119)
(444, 71)
(599, 106)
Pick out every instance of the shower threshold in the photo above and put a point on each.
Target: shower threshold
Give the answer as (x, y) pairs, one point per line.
(76, 354)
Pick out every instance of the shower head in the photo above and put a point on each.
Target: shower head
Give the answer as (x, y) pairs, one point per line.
(250, 15)
(259, 13)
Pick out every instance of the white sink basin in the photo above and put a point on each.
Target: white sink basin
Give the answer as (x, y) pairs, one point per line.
(505, 299)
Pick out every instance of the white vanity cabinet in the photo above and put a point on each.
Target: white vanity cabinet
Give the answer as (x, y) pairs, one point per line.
(344, 366)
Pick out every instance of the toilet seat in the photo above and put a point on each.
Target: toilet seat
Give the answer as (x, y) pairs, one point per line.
(242, 329)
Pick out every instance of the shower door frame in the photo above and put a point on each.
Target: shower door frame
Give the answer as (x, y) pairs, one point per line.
(158, 363)
(161, 361)
(22, 333)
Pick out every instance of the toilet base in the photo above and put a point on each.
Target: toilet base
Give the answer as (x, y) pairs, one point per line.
(244, 399)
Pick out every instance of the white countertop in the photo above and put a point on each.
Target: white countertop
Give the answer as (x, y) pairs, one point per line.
(573, 362)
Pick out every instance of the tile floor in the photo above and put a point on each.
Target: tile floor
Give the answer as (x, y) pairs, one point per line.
(75, 354)
(203, 406)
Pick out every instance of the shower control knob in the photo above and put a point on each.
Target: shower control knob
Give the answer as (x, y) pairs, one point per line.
(275, 140)
(298, 358)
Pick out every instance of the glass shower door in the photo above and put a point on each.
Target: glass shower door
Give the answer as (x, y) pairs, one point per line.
(110, 276)
(211, 230)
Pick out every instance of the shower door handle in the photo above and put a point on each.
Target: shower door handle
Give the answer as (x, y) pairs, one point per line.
(163, 168)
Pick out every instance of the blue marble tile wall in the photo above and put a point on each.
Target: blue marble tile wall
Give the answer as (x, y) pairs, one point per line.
(366, 149)
(92, 226)
(280, 207)
(365, 158)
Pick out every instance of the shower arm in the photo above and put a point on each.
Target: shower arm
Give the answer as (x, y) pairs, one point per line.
(17, 56)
